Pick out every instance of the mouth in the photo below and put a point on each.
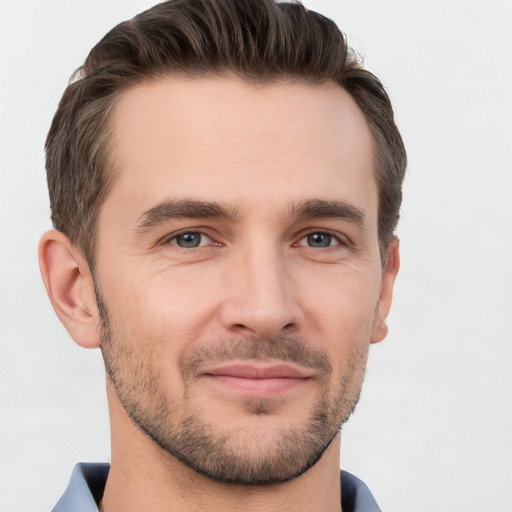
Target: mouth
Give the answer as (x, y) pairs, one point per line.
(257, 381)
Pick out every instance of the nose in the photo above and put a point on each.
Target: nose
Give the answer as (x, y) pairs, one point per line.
(261, 296)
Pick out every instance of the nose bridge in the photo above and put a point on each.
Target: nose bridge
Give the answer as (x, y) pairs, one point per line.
(262, 299)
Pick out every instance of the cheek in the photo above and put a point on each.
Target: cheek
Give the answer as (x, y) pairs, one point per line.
(166, 309)
(342, 302)
(175, 308)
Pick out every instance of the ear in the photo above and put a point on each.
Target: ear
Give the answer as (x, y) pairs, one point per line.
(389, 273)
(69, 283)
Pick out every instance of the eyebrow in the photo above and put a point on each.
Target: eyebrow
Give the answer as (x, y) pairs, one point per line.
(322, 209)
(194, 209)
(184, 209)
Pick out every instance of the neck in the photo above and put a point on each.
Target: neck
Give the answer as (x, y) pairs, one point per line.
(143, 476)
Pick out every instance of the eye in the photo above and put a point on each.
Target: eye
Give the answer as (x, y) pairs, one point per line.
(190, 240)
(319, 240)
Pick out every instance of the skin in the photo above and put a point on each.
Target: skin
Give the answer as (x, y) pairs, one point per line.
(262, 152)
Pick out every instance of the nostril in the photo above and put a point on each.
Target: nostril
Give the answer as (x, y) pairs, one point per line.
(241, 328)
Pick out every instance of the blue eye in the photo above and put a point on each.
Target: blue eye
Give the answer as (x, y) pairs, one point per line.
(319, 240)
(190, 240)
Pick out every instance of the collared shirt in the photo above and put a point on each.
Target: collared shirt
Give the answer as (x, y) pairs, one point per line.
(87, 484)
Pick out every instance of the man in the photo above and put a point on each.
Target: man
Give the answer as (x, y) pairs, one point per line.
(225, 180)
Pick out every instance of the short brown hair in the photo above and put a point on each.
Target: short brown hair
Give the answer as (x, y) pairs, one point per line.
(258, 40)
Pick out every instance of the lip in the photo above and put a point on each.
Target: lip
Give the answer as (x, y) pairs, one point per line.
(257, 381)
(250, 371)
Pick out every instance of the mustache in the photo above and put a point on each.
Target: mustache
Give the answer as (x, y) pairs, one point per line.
(290, 349)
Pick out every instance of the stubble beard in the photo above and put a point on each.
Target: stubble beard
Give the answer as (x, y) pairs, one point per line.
(237, 456)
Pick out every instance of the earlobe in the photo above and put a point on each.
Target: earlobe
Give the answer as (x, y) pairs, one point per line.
(70, 287)
(389, 273)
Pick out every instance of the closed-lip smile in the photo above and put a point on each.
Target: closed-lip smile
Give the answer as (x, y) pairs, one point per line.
(257, 380)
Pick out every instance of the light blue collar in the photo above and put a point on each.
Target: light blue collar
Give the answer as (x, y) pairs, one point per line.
(88, 480)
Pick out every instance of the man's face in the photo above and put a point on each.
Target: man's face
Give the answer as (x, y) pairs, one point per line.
(238, 270)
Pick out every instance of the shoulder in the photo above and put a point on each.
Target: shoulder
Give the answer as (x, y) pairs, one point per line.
(355, 495)
(85, 488)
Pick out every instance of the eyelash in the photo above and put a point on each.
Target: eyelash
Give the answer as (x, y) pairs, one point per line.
(340, 241)
(336, 236)
(175, 236)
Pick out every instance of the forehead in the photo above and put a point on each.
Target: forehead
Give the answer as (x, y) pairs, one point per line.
(227, 140)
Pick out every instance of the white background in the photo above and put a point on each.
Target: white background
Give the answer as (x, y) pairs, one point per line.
(433, 431)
